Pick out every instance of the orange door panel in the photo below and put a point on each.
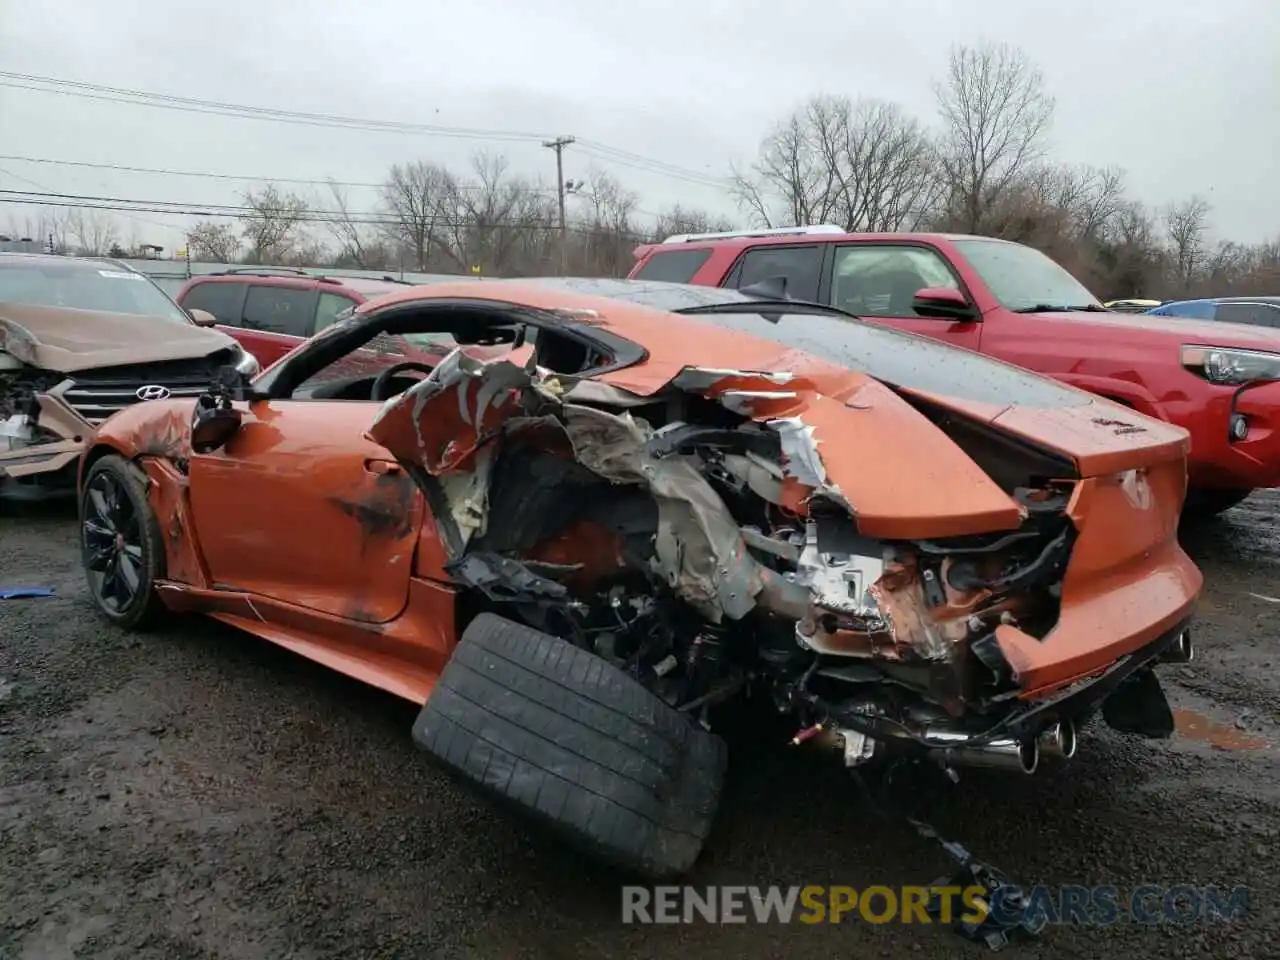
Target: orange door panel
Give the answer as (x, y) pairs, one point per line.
(299, 506)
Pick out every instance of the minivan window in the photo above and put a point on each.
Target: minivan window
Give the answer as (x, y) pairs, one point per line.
(222, 298)
(673, 266)
(328, 309)
(285, 310)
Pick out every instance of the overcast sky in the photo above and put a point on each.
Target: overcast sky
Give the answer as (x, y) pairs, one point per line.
(1185, 95)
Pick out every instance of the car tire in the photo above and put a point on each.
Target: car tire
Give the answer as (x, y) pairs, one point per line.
(570, 740)
(1206, 503)
(115, 487)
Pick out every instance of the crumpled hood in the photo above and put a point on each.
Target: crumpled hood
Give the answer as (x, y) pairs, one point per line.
(844, 396)
(66, 340)
(1183, 329)
(834, 357)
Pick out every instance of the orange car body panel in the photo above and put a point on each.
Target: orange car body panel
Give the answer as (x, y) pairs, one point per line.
(333, 553)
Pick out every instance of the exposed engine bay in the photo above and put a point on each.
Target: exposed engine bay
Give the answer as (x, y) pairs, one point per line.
(702, 548)
(20, 406)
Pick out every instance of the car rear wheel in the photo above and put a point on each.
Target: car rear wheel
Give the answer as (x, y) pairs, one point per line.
(575, 743)
(121, 546)
(1204, 504)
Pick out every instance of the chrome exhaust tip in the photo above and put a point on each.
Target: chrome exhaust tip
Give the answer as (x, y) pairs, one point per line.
(1182, 650)
(1002, 754)
(1059, 741)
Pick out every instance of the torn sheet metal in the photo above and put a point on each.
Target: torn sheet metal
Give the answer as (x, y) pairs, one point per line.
(699, 549)
(443, 419)
(800, 452)
(468, 495)
(706, 379)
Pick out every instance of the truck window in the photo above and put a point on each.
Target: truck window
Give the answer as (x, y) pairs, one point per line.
(673, 266)
(802, 266)
(881, 280)
(222, 299)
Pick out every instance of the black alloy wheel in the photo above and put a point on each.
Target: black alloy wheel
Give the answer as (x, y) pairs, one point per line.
(121, 548)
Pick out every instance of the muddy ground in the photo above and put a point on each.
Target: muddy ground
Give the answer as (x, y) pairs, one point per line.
(197, 793)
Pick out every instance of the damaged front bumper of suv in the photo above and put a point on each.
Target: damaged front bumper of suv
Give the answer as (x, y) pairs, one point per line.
(898, 570)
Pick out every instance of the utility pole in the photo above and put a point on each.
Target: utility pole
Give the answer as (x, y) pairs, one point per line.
(558, 145)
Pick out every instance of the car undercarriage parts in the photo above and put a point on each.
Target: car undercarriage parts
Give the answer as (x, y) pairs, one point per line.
(704, 548)
(1005, 906)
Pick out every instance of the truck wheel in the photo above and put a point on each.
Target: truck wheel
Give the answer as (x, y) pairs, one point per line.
(1204, 504)
(575, 743)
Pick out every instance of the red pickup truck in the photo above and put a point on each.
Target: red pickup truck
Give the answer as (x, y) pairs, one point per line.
(1219, 381)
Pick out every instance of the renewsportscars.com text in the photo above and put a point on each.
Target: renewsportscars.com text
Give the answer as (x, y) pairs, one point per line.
(1093, 906)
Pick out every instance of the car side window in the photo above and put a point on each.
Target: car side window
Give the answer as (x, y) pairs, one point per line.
(1258, 314)
(224, 299)
(329, 306)
(280, 310)
(881, 280)
(802, 266)
(673, 266)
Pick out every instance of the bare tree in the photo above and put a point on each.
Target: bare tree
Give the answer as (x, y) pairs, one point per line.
(604, 233)
(863, 165)
(679, 219)
(503, 224)
(420, 199)
(92, 232)
(48, 229)
(308, 250)
(271, 223)
(995, 113)
(358, 245)
(791, 182)
(1186, 224)
(884, 163)
(211, 242)
(1091, 197)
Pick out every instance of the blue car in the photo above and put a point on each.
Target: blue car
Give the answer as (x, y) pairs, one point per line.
(1259, 311)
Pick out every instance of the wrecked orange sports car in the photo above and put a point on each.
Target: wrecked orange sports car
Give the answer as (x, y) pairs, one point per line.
(645, 500)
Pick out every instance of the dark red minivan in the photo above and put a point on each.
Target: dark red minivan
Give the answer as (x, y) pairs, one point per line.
(270, 310)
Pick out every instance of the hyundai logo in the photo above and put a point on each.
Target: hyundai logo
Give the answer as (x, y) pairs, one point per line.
(152, 391)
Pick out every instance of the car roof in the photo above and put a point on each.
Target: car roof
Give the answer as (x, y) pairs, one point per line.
(286, 277)
(1217, 300)
(749, 239)
(93, 263)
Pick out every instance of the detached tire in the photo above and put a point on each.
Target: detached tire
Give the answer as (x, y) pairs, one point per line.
(1205, 504)
(577, 744)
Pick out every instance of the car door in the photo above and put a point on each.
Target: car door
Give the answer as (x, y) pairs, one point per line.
(878, 280)
(300, 507)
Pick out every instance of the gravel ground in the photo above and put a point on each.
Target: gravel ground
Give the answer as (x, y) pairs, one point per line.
(197, 793)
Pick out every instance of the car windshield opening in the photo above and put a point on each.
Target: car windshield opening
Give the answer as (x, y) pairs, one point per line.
(1024, 279)
(80, 286)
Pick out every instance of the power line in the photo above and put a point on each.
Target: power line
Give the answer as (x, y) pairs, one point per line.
(92, 91)
(127, 206)
(45, 187)
(154, 171)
